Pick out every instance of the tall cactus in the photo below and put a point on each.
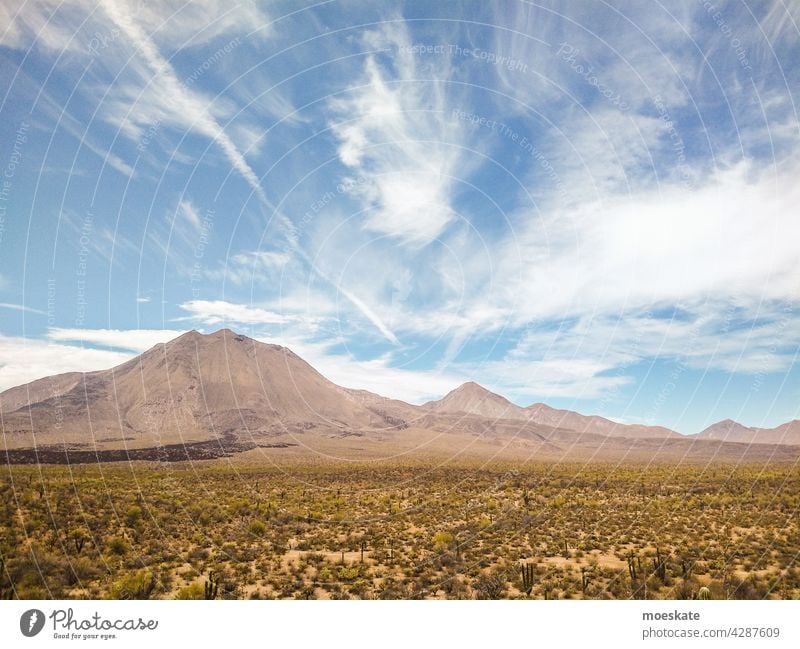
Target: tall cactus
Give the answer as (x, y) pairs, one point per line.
(632, 566)
(211, 587)
(660, 566)
(527, 577)
(586, 577)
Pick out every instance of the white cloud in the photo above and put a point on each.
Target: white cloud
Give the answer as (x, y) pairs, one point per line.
(146, 91)
(20, 307)
(397, 136)
(170, 99)
(256, 267)
(137, 340)
(214, 312)
(189, 214)
(523, 379)
(24, 359)
(54, 24)
(376, 375)
(731, 241)
(733, 238)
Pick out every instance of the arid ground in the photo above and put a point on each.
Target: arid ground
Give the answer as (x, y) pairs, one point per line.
(404, 528)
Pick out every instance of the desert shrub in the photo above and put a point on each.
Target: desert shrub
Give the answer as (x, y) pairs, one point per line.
(136, 586)
(118, 546)
(192, 591)
(257, 528)
(490, 586)
(441, 541)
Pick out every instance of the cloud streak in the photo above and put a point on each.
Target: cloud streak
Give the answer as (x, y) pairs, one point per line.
(184, 105)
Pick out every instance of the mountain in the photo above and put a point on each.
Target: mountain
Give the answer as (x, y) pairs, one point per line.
(196, 387)
(543, 414)
(788, 433)
(731, 431)
(473, 399)
(205, 396)
(728, 430)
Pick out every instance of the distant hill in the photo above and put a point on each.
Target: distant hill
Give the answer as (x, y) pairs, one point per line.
(728, 430)
(473, 399)
(224, 393)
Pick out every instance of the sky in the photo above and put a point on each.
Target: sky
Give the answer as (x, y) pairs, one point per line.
(592, 205)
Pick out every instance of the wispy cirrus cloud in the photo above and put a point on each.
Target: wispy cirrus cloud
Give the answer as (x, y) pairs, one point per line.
(176, 102)
(20, 307)
(254, 267)
(395, 133)
(215, 312)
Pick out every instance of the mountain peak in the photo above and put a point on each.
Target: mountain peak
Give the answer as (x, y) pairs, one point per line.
(471, 386)
(474, 399)
(727, 424)
(728, 430)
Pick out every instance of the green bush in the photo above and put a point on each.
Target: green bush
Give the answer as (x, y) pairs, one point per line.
(192, 591)
(257, 528)
(136, 586)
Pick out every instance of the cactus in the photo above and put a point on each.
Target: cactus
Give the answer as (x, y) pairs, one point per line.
(660, 566)
(704, 593)
(527, 577)
(211, 587)
(631, 566)
(363, 547)
(585, 578)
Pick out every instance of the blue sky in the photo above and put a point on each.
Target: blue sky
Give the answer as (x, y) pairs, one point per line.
(592, 206)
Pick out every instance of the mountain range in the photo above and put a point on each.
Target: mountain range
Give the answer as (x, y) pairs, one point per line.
(201, 396)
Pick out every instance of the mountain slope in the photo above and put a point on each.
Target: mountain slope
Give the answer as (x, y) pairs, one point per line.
(594, 424)
(474, 399)
(224, 393)
(731, 431)
(728, 430)
(196, 387)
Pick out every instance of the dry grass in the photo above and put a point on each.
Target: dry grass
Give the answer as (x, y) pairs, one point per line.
(426, 530)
